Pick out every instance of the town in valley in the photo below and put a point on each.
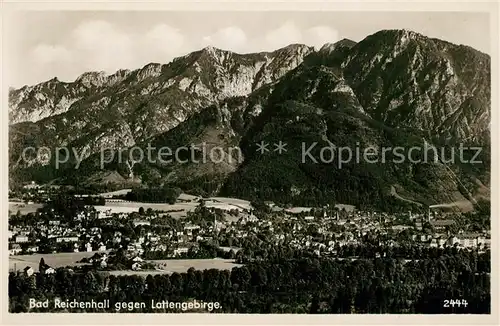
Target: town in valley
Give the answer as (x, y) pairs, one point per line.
(54, 232)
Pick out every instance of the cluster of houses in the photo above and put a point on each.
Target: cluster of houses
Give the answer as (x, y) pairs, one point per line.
(80, 239)
(462, 240)
(89, 239)
(348, 229)
(299, 228)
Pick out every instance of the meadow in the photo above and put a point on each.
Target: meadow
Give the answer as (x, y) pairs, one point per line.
(167, 266)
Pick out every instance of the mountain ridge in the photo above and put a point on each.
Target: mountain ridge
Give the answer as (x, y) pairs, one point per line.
(392, 88)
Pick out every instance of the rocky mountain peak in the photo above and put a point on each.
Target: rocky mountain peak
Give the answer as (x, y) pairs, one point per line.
(151, 70)
(407, 79)
(93, 78)
(209, 49)
(295, 49)
(118, 76)
(330, 47)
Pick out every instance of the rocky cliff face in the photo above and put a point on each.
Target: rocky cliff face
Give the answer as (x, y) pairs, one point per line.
(405, 79)
(131, 106)
(395, 89)
(98, 111)
(210, 75)
(392, 88)
(34, 103)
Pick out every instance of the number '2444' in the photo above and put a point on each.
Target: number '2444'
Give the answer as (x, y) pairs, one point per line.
(455, 303)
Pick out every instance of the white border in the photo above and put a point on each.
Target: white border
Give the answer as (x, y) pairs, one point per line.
(491, 7)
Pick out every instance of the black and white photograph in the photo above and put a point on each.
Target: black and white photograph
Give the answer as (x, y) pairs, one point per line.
(249, 162)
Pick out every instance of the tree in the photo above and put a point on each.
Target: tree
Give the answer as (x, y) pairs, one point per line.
(314, 309)
(241, 276)
(42, 266)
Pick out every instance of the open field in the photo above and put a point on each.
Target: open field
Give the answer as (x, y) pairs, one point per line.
(114, 193)
(462, 205)
(125, 206)
(19, 262)
(295, 210)
(139, 273)
(186, 203)
(23, 208)
(228, 203)
(188, 197)
(182, 265)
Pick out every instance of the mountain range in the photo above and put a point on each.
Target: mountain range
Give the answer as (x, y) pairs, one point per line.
(395, 88)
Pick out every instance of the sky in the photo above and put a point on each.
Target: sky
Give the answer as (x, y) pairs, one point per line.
(42, 45)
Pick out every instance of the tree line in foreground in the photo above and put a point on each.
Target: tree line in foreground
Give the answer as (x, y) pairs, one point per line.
(294, 285)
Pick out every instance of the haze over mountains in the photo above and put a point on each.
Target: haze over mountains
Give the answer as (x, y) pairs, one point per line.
(394, 88)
